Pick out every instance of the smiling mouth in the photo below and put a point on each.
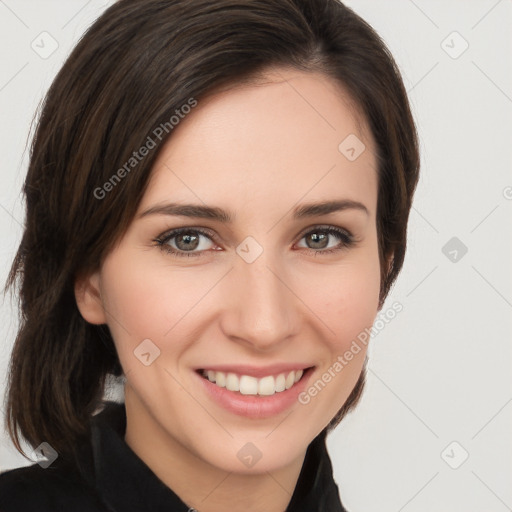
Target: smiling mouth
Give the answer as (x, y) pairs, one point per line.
(248, 385)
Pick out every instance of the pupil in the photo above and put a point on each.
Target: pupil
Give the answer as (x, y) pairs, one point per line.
(319, 239)
(187, 238)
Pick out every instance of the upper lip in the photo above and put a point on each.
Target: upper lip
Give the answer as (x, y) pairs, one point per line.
(257, 371)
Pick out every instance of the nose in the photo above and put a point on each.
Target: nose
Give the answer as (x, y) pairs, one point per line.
(262, 310)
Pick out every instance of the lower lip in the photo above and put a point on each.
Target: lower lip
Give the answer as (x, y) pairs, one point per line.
(256, 406)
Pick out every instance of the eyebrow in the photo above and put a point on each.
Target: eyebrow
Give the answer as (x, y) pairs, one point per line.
(215, 213)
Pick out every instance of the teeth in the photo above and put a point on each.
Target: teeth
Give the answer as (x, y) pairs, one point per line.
(248, 385)
(265, 386)
(232, 382)
(220, 379)
(280, 383)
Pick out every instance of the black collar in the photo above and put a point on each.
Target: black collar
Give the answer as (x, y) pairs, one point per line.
(125, 483)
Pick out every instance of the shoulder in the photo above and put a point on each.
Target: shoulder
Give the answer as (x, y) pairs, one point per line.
(32, 488)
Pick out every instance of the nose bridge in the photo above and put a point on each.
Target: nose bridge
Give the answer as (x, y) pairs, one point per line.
(263, 309)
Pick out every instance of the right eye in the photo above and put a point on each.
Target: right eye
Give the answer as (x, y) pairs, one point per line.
(184, 241)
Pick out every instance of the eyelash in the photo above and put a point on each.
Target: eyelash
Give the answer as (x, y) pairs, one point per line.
(346, 238)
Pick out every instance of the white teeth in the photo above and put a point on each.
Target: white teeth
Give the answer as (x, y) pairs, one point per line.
(248, 385)
(266, 385)
(232, 382)
(290, 380)
(280, 383)
(220, 379)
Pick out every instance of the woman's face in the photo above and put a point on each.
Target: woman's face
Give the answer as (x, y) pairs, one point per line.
(265, 293)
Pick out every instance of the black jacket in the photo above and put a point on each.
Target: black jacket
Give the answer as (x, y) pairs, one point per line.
(114, 479)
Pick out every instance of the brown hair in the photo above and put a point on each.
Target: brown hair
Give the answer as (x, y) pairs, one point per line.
(135, 66)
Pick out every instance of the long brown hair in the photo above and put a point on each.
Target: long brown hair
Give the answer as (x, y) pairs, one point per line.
(139, 63)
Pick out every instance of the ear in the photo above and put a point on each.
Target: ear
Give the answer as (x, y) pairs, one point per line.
(88, 298)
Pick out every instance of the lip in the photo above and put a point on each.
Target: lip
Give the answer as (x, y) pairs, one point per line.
(257, 371)
(255, 406)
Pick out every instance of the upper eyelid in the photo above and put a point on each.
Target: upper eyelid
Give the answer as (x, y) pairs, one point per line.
(171, 233)
(325, 226)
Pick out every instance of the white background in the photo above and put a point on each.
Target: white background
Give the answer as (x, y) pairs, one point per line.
(440, 371)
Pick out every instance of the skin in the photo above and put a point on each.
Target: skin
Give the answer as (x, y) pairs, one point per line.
(257, 151)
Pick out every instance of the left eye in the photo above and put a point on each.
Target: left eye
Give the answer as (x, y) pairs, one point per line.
(320, 236)
(187, 241)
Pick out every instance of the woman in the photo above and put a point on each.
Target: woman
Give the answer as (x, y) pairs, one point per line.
(217, 205)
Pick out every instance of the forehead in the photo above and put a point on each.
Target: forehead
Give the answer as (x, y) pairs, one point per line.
(270, 143)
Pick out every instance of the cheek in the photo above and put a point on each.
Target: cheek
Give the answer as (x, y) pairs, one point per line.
(134, 296)
(139, 301)
(152, 301)
(346, 297)
(358, 305)
(348, 307)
